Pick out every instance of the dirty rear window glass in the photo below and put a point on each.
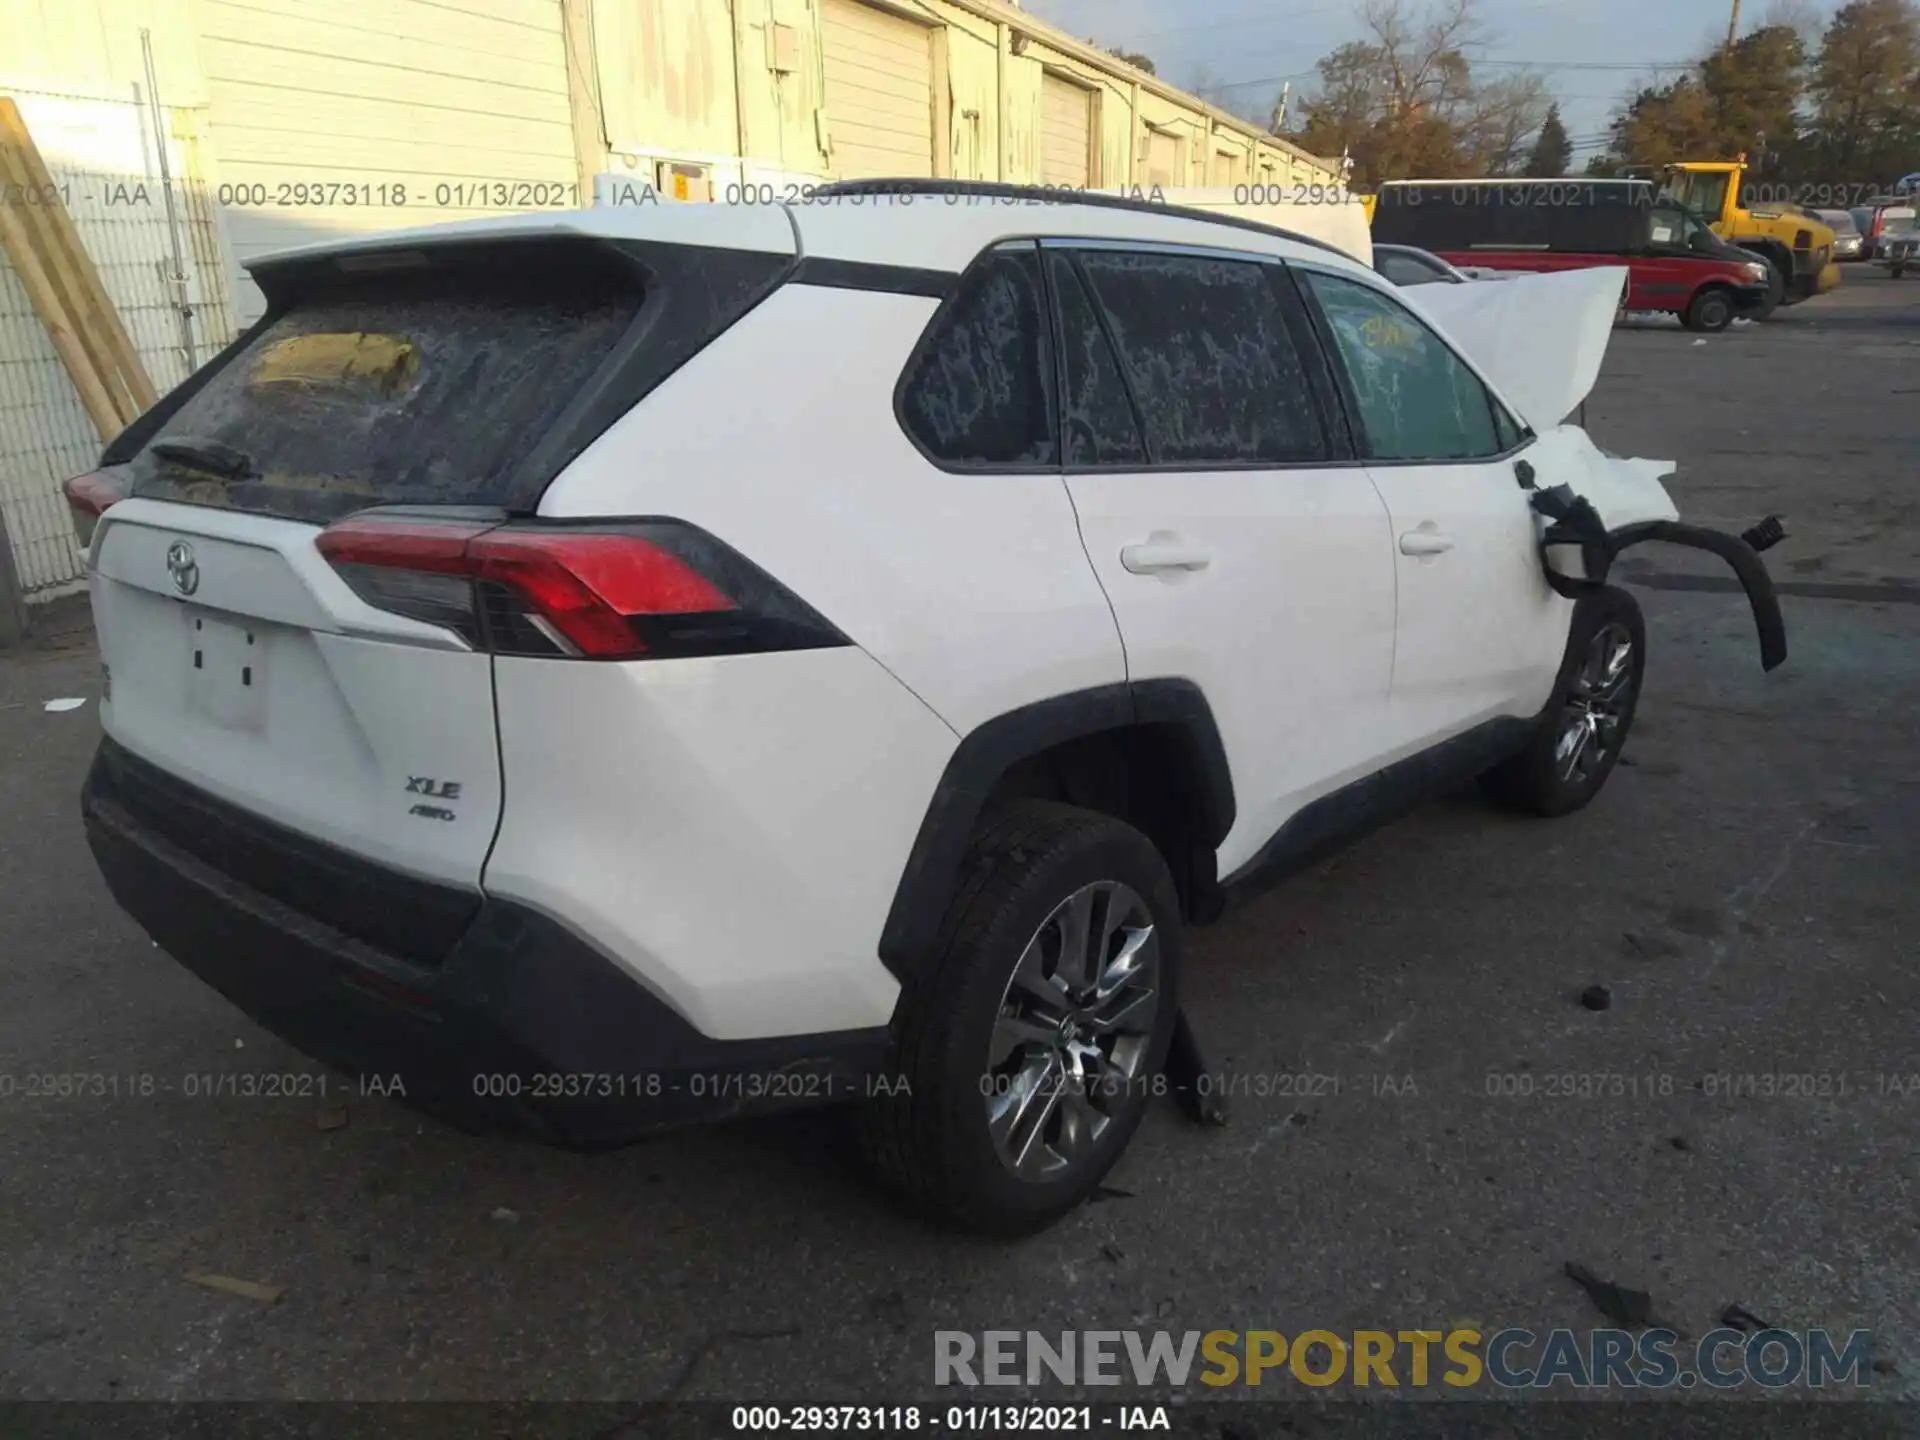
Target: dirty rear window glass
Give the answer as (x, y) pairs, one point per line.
(428, 387)
(979, 391)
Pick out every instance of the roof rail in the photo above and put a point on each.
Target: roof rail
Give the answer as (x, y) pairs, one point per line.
(1060, 195)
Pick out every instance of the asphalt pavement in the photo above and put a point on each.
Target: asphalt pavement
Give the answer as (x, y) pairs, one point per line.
(1747, 1129)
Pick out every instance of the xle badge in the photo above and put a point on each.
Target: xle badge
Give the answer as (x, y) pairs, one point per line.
(439, 790)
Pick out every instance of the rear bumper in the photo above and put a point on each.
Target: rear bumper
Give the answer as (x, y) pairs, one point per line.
(522, 1026)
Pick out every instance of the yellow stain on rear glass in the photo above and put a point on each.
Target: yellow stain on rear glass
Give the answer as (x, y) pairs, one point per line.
(338, 358)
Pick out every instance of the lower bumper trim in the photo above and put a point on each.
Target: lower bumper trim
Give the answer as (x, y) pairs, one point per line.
(524, 1027)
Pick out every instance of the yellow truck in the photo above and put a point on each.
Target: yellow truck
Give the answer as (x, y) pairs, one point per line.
(1798, 246)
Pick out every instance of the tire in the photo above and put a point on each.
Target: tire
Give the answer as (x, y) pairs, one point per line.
(972, 1035)
(1776, 291)
(1710, 312)
(1894, 272)
(1586, 724)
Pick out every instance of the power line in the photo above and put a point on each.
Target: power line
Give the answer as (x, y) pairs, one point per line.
(1547, 65)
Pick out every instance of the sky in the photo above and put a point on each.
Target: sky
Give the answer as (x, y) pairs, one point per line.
(1592, 54)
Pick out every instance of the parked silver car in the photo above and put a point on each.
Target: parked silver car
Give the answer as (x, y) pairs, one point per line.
(1898, 247)
(1847, 239)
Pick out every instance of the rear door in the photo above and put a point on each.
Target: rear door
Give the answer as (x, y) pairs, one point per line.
(1239, 549)
(350, 702)
(1479, 631)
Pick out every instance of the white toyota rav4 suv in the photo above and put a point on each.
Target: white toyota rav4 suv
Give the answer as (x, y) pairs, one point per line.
(626, 667)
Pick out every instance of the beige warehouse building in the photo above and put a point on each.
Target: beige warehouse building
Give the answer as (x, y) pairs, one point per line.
(286, 121)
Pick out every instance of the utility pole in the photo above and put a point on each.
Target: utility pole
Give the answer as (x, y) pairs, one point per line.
(1280, 109)
(1733, 24)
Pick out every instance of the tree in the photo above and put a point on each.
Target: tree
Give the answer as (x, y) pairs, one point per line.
(1404, 101)
(1865, 94)
(1743, 98)
(1552, 150)
(1131, 57)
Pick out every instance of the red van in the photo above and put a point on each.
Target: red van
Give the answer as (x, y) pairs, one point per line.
(1675, 262)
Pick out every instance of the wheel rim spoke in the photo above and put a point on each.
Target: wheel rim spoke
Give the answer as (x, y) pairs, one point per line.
(1030, 977)
(1080, 1123)
(1011, 1032)
(1079, 938)
(1021, 1115)
(1573, 745)
(1129, 1014)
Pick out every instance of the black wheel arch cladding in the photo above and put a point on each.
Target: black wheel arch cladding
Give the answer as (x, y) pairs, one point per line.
(1175, 708)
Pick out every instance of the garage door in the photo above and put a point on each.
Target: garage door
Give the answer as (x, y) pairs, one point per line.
(1066, 128)
(361, 115)
(879, 92)
(1166, 158)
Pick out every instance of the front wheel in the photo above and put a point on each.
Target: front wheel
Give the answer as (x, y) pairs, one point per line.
(1710, 312)
(1580, 736)
(1024, 1058)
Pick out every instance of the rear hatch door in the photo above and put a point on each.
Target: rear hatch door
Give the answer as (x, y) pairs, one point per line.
(454, 380)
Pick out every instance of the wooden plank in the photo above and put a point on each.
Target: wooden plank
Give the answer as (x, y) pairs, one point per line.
(96, 307)
(46, 303)
(69, 296)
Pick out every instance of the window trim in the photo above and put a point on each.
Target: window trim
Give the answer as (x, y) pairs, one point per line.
(1341, 450)
(1072, 262)
(1350, 399)
(1048, 335)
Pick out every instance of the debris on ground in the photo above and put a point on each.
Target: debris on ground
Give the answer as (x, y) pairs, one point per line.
(1645, 945)
(64, 704)
(1113, 1253)
(331, 1117)
(1108, 1192)
(506, 1216)
(1596, 997)
(1618, 1303)
(245, 1289)
(1679, 1142)
(1738, 1317)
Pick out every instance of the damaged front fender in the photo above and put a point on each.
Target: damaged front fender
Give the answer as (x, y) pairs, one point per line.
(1577, 552)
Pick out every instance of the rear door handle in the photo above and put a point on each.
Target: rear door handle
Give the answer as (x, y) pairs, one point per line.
(1425, 542)
(1157, 555)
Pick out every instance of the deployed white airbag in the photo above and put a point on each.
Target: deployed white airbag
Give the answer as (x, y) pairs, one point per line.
(1539, 338)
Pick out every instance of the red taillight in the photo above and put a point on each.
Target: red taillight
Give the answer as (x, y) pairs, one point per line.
(618, 592)
(88, 497)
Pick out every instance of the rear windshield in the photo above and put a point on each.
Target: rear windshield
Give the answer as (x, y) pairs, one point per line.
(446, 379)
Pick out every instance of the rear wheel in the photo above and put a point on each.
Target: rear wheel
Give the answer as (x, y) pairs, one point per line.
(1579, 739)
(1024, 1058)
(1711, 311)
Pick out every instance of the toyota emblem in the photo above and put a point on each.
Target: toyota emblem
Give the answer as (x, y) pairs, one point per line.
(184, 569)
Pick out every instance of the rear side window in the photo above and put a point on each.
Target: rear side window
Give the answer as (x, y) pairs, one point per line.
(1417, 399)
(1209, 358)
(1096, 411)
(979, 390)
(467, 376)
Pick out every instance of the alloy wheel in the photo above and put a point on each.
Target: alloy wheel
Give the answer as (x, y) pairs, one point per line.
(1073, 1032)
(1590, 728)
